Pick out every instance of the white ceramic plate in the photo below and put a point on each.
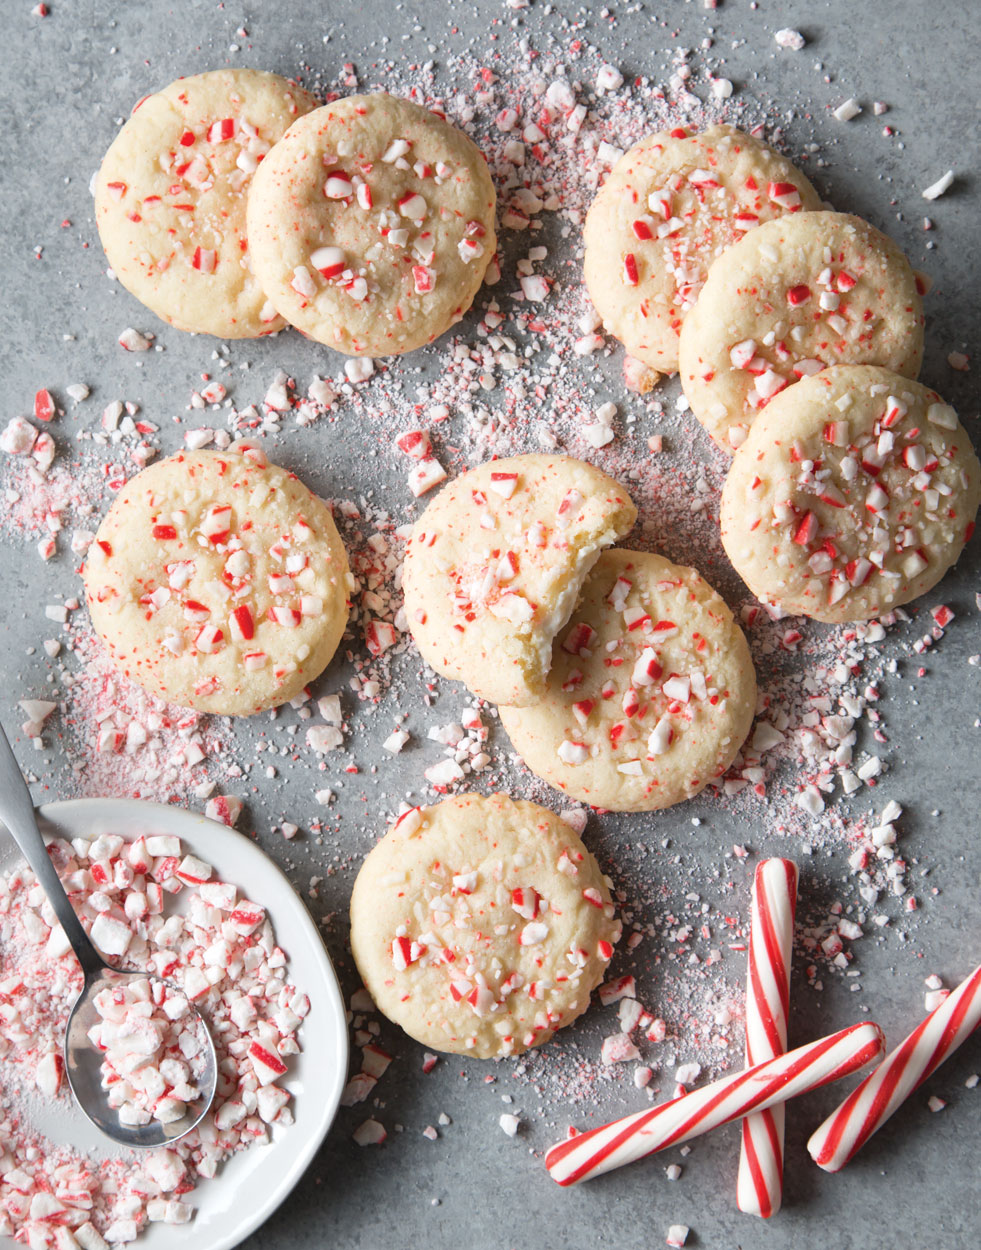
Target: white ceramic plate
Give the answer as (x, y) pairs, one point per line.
(250, 1185)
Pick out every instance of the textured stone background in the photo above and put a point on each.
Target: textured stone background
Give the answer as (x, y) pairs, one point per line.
(68, 78)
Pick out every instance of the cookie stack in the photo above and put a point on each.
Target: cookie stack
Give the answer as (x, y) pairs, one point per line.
(230, 204)
(623, 679)
(797, 333)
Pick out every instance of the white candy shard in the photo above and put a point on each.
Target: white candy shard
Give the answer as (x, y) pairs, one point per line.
(134, 341)
(847, 110)
(936, 189)
(789, 38)
(608, 78)
(370, 1133)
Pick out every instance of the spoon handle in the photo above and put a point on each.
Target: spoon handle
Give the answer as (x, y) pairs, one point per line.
(17, 813)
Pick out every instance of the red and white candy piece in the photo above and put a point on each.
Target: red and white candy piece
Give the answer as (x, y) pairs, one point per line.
(338, 185)
(426, 474)
(241, 624)
(785, 195)
(759, 1186)
(884, 1091)
(217, 522)
(221, 131)
(415, 443)
(412, 205)
(424, 279)
(504, 484)
(204, 259)
(808, 1067)
(328, 261)
(44, 405)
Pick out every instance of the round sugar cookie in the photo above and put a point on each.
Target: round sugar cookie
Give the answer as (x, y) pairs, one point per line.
(651, 692)
(792, 297)
(669, 207)
(495, 563)
(482, 925)
(855, 492)
(372, 224)
(170, 198)
(218, 581)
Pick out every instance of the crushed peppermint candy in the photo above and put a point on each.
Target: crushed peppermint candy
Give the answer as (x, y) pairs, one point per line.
(219, 952)
(943, 184)
(518, 375)
(789, 38)
(847, 110)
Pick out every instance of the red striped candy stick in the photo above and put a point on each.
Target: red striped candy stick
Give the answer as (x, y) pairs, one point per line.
(883, 1091)
(759, 1187)
(754, 1089)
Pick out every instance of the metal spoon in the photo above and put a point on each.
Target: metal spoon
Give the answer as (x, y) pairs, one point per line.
(83, 1061)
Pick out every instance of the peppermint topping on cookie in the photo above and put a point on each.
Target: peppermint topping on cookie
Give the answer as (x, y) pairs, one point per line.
(657, 706)
(376, 231)
(470, 958)
(181, 594)
(701, 192)
(858, 502)
(812, 290)
(174, 226)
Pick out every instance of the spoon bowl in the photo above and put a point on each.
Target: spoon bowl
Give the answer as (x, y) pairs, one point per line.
(83, 1061)
(83, 1069)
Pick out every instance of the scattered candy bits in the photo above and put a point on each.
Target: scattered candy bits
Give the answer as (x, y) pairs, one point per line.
(549, 142)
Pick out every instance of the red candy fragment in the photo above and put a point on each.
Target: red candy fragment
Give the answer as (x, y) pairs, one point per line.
(44, 406)
(241, 625)
(806, 531)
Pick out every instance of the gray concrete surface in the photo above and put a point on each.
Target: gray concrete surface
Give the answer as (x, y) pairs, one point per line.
(68, 77)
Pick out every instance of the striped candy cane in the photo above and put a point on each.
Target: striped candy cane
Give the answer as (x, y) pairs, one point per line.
(754, 1089)
(759, 1188)
(883, 1091)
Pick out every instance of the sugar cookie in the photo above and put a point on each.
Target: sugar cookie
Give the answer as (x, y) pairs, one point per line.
(792, 297)
(482, 925)
(495, 563)
(170, 198)
(218, 581)
(669, 207)
(651, 692)
(372, 224)
(855, 492)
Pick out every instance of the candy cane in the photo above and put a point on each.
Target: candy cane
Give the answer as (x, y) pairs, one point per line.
(883, 1091)
(754, 1089)
(759, 1187)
